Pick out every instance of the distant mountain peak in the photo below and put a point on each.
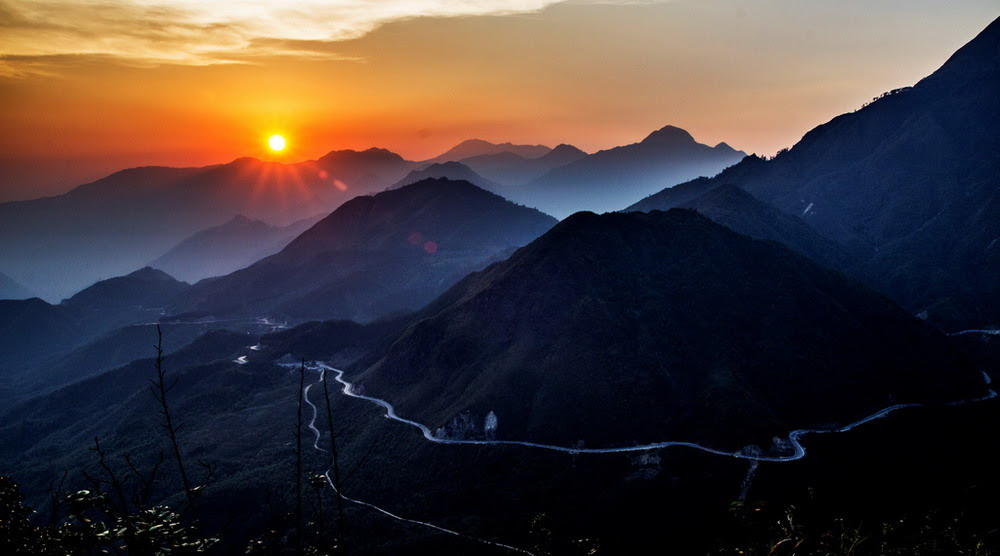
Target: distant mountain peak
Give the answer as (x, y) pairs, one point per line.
(245, 161)
(377, 153)
(669, 136)
(563, 148)
(474, 143)
(477, 147)
(149, 273)
(142, 287)
(450, 170)
(239, 219)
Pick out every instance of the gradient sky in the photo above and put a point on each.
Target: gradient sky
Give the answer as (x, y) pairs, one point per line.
(91, 86)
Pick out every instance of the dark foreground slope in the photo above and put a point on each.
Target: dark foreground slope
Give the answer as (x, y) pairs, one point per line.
(741, 212)
(377, 254)
(636, 327)
(909, 183)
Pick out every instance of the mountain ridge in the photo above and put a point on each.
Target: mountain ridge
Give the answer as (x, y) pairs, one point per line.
(614, 178)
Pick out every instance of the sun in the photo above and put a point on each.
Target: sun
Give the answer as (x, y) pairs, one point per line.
(276, 143)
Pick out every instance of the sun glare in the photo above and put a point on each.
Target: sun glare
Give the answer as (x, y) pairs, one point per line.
(276, 143)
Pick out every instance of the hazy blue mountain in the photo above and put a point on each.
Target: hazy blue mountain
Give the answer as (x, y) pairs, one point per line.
(376, 254)
(477, 147)
(33, 331)
(231, 246)
(639, 327)
(510, 168)
(145, 290)
(910, 184)
(10, 289)
(615, 178)
(451, 171)
(119, 223)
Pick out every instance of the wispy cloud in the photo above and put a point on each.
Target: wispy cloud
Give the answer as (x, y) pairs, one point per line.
(200, 32)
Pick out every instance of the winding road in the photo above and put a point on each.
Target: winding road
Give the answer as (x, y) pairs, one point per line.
(987, 332)
(754, 456)
(329, 481)
(794, 437)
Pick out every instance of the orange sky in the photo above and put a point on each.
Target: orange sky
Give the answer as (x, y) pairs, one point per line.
(98, 93)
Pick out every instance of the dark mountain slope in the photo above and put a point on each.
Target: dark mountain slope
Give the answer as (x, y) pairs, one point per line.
(612, 179)
(909, 183)
(640, 327)
(374, 255)
(738, 210)
(32, 328)
(118, 347)
(222, 249)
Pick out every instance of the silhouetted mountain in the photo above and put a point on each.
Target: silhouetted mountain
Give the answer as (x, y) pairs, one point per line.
(121, 222)
(612, 179)
(477, 147)
(10, 289)
(910, 184)
(512, 169)
(231, 246)
(451, 171)
(640, 327)
(145, 290)
(392, 251)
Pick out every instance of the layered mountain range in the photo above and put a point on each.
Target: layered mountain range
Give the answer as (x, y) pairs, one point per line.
(611, 179)
(154, 215)
(118, 224)
(222, 249)
(376, 254)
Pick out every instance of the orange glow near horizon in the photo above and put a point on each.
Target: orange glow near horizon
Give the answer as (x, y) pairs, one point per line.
(592, 74)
